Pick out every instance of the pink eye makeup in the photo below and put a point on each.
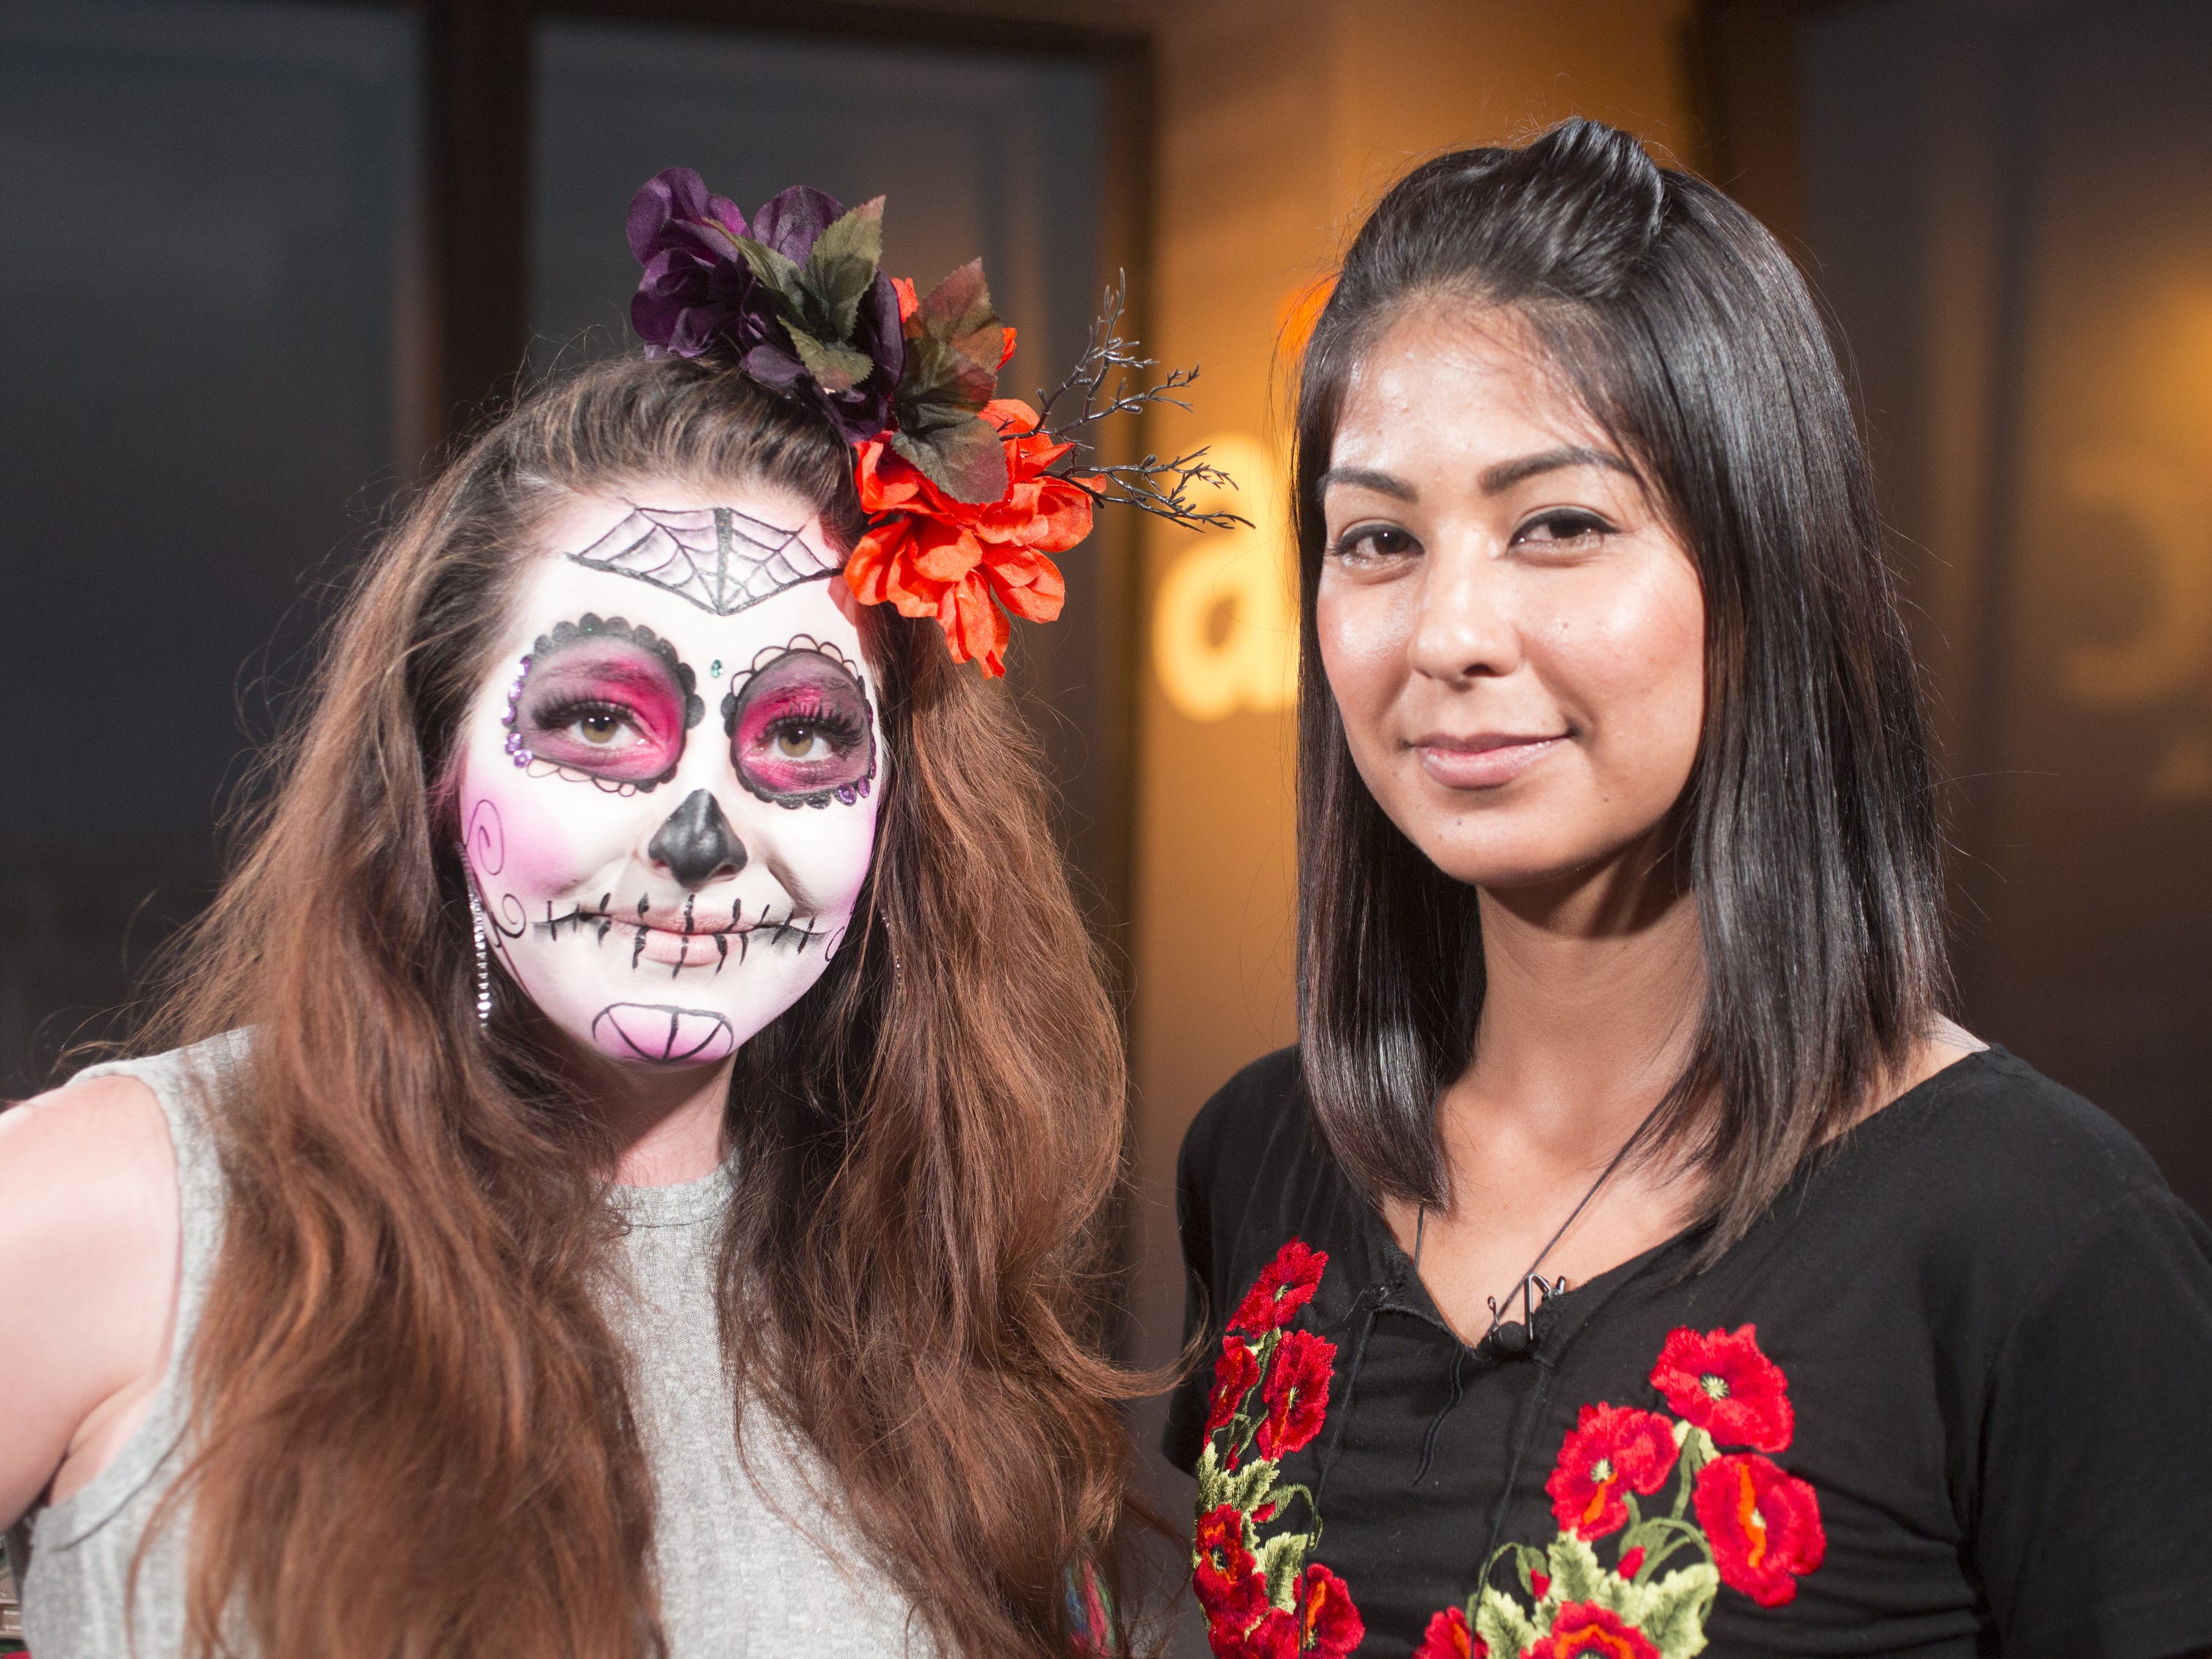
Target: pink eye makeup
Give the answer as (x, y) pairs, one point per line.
(801, 732)
(605, 699)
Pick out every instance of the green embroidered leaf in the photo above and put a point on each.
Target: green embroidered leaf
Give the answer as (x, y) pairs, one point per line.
(835, 368)
(967, 461)
(842, 267)
(1675, 1608)
(1576, 1575)
(1213, 1484)
(1250, 1486)
(1282, 1557)
(1617, 1594)
(1283, 1496)
(1502, 1627)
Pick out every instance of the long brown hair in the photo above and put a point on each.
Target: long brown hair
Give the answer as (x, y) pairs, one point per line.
(415, 1433)
(1809, 827)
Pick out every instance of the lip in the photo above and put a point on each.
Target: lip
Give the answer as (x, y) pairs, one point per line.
(1482, 760)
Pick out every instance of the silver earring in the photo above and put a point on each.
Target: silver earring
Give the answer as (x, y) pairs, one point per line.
(483, 958)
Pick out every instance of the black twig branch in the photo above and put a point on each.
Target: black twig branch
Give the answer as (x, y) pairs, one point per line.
(1162, 489)
(1110, 378)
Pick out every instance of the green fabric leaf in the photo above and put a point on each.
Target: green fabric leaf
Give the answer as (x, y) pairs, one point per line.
(966, 461)
(1576, 1574)
(1675, 1608)
(941, 386)
(781, 275)
(842, 267)
(952, 358)
(958, 310)
(1282, 1557)
(835, 368)
(1502, 1627)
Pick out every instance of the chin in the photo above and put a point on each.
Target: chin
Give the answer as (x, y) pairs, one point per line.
(1512, 863)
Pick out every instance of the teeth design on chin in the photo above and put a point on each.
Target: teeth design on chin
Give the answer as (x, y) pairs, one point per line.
(656, 1032)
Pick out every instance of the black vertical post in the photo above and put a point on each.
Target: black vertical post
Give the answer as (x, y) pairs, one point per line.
(477, 199)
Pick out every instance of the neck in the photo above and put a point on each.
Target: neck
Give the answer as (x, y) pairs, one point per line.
(667, 1121)
(1590, 1002)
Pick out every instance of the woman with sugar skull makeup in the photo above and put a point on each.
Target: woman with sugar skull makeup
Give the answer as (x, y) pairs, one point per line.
(635, 1180)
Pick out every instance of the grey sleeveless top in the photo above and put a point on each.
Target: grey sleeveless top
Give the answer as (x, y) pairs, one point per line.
(749, 1561)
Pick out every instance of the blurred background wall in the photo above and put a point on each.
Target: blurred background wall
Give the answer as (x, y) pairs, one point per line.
(260, 260)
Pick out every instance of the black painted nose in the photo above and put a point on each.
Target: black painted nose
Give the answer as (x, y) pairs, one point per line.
(697, 843)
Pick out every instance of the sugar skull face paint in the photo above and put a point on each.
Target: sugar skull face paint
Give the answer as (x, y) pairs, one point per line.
(644, 876)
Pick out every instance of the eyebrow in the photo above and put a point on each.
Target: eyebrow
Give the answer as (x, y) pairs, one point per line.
(1491, 479)
(1506, 474)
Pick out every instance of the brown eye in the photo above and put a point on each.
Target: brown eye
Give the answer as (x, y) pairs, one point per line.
(795, 742)
(599, 728)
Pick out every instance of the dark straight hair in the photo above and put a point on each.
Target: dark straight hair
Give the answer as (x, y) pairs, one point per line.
(1808, 828)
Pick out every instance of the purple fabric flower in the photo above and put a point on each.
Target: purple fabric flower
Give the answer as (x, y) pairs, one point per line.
(698, 294)
(696, 286)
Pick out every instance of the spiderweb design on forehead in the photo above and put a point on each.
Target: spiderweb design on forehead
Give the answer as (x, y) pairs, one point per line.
(717, 558)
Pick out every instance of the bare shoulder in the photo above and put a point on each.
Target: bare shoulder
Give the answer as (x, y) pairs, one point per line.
(90, 1235)
(93, 1149)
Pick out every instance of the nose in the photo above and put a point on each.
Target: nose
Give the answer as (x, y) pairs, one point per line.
(1465, 629)
(696, 842)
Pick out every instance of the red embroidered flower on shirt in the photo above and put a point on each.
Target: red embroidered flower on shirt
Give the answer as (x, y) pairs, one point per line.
(1270, 1399)
(1325, 1624)
(1610, 1451)
(1728, 1388)
(1226, 1578)
(1764, 1526)
(1295, 1394)
(1285, 1286)
(1449, 1637)
(1233, 1374)
(1582, 1628)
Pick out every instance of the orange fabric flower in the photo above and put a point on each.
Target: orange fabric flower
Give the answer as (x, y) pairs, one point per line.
(930, 556)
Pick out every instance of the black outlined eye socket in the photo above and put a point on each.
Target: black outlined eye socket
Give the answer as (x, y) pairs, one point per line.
(801, 732)
(605, 699)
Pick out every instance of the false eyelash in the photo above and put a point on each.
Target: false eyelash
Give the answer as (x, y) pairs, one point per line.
(564, 714)
(840, 727)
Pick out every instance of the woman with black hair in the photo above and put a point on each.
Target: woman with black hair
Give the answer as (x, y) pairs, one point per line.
(1631, 1259)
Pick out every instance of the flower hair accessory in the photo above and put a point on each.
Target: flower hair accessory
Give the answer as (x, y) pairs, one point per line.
(966, 493)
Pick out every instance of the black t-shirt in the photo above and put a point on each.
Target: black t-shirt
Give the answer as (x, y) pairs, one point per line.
(1953, 1395)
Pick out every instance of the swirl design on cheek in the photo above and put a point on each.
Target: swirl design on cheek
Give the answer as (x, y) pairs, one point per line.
(485, 840)
(802, 731)
(483, 852)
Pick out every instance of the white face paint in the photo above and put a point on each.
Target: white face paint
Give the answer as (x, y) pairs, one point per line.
(670, 778)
